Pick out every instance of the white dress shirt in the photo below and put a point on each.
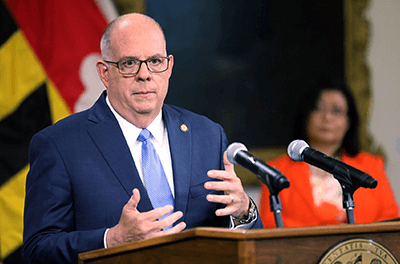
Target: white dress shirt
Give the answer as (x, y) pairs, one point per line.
(159, 138)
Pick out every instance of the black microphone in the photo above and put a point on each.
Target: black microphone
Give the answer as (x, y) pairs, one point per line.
(299, 150)
(237, 154)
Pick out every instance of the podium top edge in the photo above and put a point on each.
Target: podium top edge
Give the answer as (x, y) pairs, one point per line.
(247, 234)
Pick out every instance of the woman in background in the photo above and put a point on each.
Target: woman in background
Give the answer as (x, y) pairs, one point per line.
(328, 122)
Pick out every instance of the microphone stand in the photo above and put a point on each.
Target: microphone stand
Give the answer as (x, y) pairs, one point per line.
(348, 204)
(274, 201)
(276, 208)
(342, 174)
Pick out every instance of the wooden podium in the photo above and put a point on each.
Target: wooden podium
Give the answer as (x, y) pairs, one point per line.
(219, 245)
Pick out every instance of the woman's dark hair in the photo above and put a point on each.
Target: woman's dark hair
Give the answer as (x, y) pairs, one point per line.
(351, 143)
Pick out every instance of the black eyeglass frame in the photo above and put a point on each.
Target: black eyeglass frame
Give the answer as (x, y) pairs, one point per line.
(116, 64)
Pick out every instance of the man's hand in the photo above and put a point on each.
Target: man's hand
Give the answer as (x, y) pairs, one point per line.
(234, 196)
(134, 225)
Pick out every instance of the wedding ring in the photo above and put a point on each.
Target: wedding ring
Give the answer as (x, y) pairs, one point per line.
(233, 200)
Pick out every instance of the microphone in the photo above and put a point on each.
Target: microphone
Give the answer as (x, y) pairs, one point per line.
(237, 154)
(299, 150)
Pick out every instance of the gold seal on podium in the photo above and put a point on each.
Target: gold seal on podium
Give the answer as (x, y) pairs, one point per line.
(358, 251)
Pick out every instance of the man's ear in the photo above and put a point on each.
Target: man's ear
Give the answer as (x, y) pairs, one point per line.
(171, 65)
(102, 70)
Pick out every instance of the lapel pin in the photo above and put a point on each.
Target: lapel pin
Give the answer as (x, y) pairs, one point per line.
(184, 128)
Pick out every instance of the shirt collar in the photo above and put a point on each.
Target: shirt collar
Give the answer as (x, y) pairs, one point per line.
(156, 127)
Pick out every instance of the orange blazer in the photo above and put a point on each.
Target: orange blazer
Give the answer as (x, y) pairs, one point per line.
(298, 208)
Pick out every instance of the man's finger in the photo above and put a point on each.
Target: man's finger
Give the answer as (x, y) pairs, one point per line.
(134, 200)
(176, 229)
(224, 211)
(169, 220)
(158, 212)
(218, 186)
(228, 173)
(229, 167)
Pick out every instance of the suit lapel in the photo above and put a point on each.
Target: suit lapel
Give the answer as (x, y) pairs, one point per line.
(180, 145)
(108, 137)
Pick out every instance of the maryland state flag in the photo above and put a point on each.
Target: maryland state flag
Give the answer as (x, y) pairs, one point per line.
(48, 51)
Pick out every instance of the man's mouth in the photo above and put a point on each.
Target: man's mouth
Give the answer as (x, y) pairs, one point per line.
(143, 92)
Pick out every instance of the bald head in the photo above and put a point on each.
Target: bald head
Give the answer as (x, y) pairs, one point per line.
(119, 28)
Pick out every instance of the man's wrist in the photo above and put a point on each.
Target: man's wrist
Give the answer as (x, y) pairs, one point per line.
(251, 214)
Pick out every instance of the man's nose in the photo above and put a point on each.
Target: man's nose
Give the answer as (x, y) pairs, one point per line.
(144, 72)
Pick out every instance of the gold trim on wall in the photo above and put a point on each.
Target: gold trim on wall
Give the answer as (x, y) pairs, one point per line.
(130, 6)
(356, 69)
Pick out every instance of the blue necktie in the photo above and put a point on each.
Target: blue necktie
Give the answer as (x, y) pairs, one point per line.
(154, 175)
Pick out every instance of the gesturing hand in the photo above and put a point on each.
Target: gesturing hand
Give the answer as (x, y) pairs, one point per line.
(234, 195)
(134, 225)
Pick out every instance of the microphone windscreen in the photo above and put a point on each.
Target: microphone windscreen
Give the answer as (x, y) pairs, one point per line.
(296, 148)
(233, 149)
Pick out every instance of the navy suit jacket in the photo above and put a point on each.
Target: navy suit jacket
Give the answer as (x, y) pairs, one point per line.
(82, 174)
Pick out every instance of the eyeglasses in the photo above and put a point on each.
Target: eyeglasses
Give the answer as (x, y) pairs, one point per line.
(131, 66)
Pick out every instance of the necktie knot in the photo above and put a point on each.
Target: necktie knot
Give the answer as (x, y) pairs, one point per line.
(144, 135)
